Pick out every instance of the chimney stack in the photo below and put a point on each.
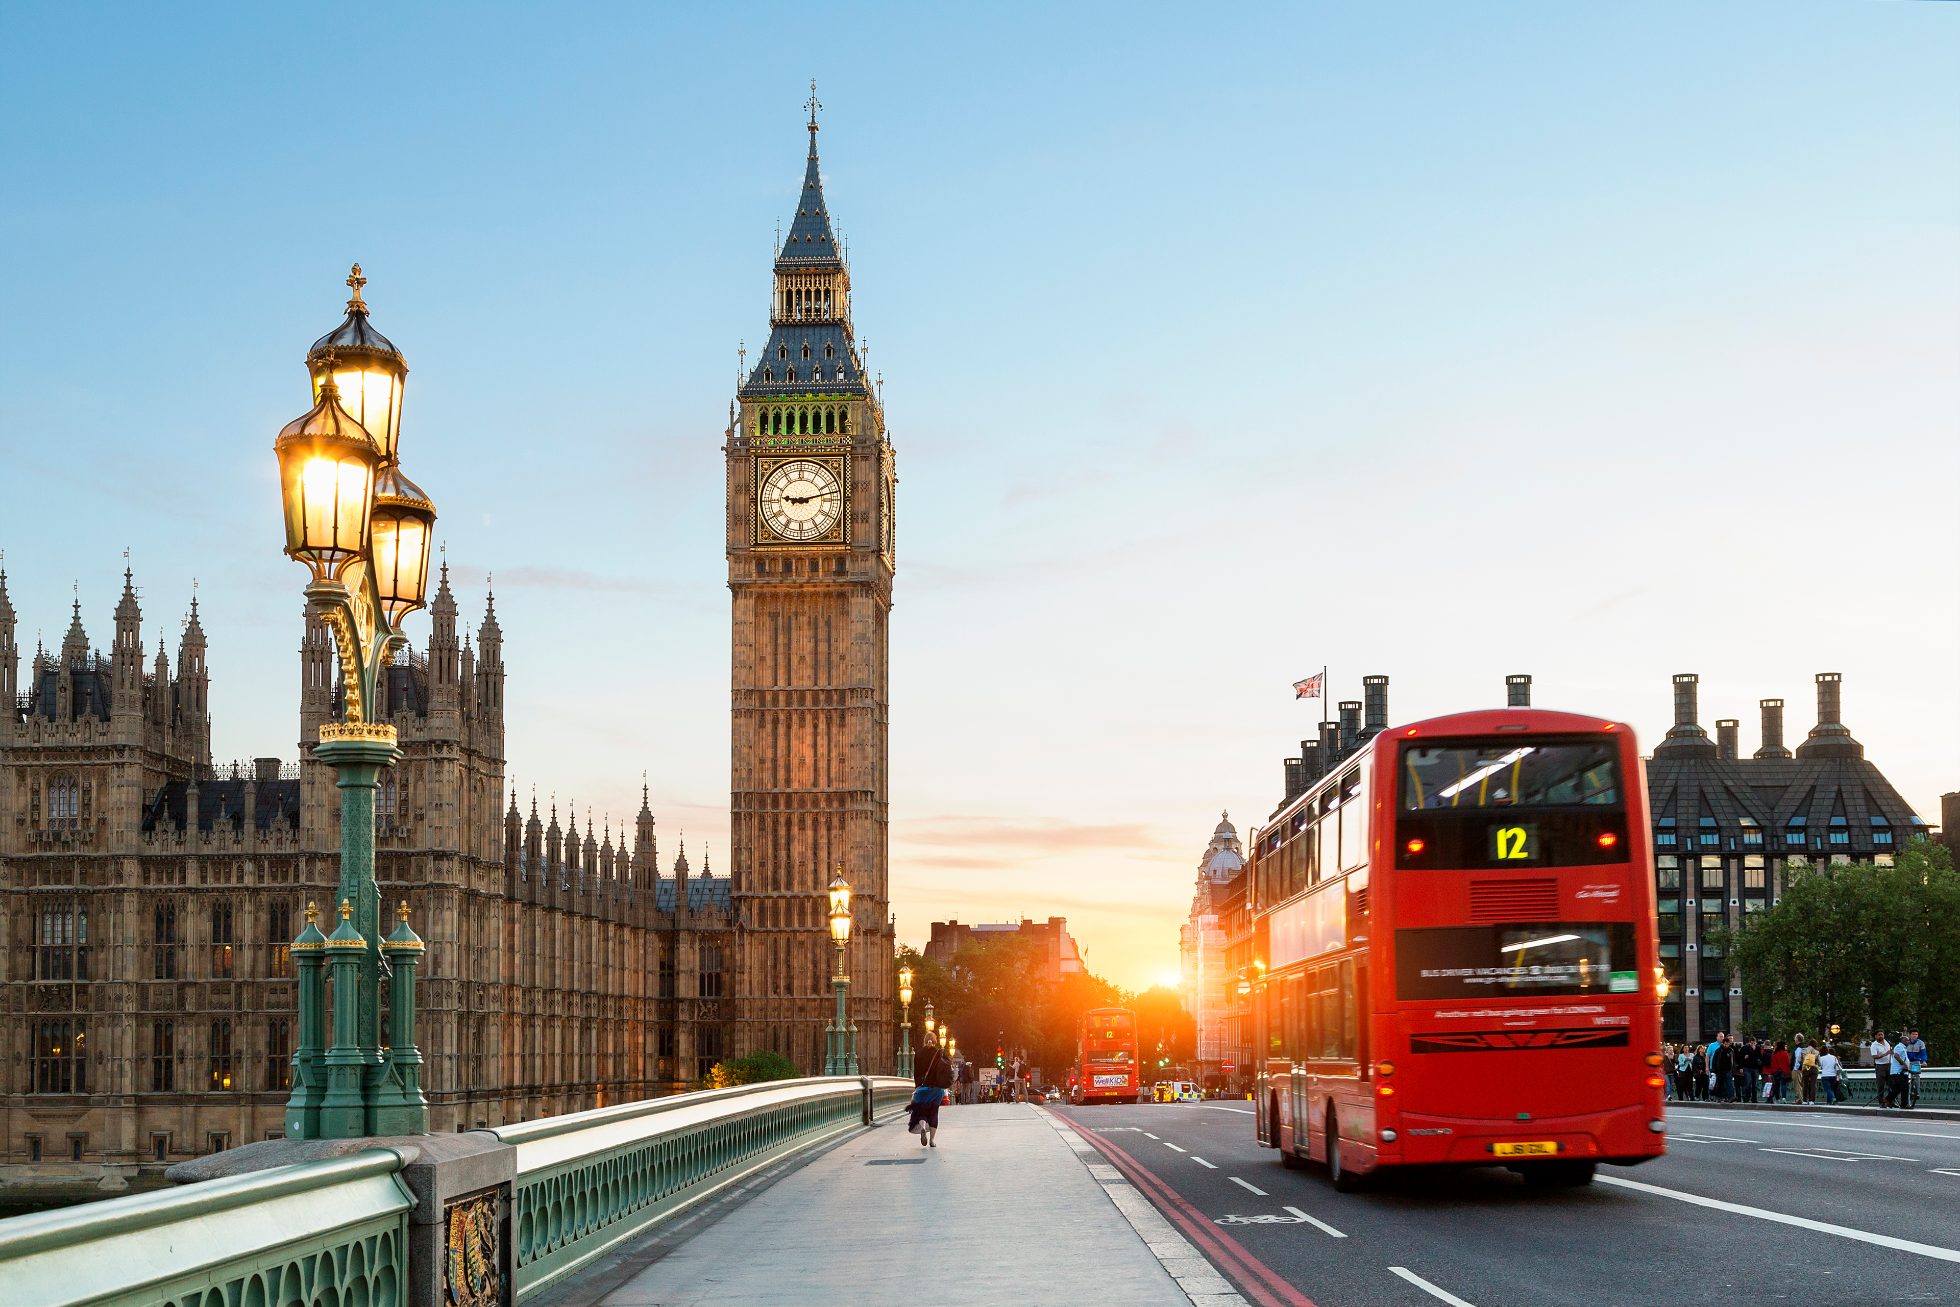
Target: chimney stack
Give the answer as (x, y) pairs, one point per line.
(1330, 747)
(1686, 737)
(1830, 738)
(1517, 691)
(1350, 725)
(1295, 778)
(1311, 766)
(1772, 730)
(1374, 710)
(1726, 731)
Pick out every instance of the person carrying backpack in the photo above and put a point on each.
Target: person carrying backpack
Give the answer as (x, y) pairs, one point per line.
(1807, 1075)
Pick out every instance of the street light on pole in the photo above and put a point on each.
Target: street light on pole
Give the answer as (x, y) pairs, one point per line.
(843, 1059)
(363, 530)
(905, 1023)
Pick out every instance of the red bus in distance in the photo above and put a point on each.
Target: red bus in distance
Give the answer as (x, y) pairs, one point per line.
(1106, 1057)
(1462, 962)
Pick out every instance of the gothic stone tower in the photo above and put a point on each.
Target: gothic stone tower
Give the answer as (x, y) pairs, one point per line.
(810, 558)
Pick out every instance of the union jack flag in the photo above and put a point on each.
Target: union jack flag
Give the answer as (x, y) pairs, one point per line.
(1309, 688)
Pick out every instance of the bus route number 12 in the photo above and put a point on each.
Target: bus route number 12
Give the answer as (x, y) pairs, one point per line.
(1514, 843)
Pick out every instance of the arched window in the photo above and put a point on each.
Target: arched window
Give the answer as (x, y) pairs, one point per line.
(844, 422)
(64, 803)
(768, 374)
(806, 351)
(385, 800)
(792, 374)
(782, 351)
(829, 351)
(830, 421)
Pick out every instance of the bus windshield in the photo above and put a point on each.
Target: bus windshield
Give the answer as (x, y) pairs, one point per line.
(1478, 774)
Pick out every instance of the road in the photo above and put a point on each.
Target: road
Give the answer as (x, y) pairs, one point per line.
(1746, 1208)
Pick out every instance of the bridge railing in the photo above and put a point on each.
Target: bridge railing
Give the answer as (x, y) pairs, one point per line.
(1938, 1086)
(314, 1232)
(432, 1220)
(589, 1180)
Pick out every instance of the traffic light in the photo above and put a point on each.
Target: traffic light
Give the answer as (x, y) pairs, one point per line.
(1000, 1056)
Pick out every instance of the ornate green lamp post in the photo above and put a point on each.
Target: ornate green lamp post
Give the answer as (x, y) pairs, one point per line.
(843, 1058)
(905, 1021)
(363, 529)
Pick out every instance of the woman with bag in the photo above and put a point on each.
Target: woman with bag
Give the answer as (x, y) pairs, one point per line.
(933, 1076)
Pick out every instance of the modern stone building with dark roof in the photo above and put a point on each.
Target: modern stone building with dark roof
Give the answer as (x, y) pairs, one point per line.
(1728, 829)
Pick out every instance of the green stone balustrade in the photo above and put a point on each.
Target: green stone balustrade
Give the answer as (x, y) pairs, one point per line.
(1938, 1086)
(314, 1234)
(589, 1180)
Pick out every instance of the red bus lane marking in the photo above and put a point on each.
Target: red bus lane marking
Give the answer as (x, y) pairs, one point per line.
(1253, 1275)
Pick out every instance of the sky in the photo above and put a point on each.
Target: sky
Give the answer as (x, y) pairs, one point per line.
(1600, 342)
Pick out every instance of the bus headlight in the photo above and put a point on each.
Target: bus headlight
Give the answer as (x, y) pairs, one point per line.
(1657, 1127)
(1388, 1136)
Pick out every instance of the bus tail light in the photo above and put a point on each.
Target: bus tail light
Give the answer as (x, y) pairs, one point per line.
(1414, 847)
(1607, 839)
(1384, 1068)
(1384, 1091)
(1653, 1059)
(1656, 1082)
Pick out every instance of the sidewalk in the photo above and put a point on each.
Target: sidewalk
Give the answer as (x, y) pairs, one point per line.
(1866, 1108)
(1003, 1208)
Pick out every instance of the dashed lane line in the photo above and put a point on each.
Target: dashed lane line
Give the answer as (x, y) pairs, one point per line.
(1247, 1185)
(1819, 1125)
(1429, 1288)
(1316, 1223)
(1148, 1135)
(1784, 1218)
(1836, 1155)
(1209, 1166)
(1168, 1144)
(1212, 1107)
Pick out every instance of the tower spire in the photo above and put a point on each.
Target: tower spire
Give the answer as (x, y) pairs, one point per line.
(813, 104)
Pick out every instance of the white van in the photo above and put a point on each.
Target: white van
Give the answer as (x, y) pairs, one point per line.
(1185, 1091)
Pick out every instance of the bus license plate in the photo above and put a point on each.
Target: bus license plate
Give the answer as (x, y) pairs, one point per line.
(1537, 1148)
(1104, 1082)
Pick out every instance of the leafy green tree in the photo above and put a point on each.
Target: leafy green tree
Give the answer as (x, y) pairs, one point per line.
(1859, 945)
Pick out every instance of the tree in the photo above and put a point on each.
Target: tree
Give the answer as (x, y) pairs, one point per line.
(1859, 945)
(1162, 1021)
(750, 1070)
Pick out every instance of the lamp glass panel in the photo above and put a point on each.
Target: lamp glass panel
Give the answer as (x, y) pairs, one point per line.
(840, 928)
(401, 559)
(329, 505)
(374, 397)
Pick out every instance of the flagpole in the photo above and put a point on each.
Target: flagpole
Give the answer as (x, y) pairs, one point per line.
(1323, 697)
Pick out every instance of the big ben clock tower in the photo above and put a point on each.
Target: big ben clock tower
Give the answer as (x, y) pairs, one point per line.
(810, 559)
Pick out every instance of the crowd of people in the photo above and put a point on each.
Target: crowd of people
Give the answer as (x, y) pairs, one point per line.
(1732, 1069)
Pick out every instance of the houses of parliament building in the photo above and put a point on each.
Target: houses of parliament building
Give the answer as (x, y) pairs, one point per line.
(148, 895)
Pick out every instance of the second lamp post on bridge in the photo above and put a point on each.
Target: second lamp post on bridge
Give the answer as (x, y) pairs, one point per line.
(841, 1057)
(905, 1022)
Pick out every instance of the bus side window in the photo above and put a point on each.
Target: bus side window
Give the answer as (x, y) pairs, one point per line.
(1346, 996)
(1363, 1053)
(1297, 1046)
(1354, 822)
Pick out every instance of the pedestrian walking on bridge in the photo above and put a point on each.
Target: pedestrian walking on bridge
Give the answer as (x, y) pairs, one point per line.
(933, 1078)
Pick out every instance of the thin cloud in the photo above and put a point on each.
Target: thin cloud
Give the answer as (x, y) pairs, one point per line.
(1030, 835)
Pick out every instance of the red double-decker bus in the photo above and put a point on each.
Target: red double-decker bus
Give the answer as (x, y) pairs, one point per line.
(1106, 1057)
(1462, 963)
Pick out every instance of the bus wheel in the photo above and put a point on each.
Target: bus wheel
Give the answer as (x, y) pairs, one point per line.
(1345, 1181)
(1559, 1175)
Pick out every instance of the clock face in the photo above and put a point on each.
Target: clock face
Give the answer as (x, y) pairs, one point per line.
(888, 520)
(801, 500)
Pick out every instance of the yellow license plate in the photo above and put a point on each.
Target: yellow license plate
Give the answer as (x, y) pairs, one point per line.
(1537, 1148)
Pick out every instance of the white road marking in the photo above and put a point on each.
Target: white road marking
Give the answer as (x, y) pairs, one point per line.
(1819, 1125)
(1209, 1166)
(1784, 1218)
(1707, 1139)
(1943, 1170)
(1247, 1185)
(1429, 1288)
(1147, 1134)
(1242, 1111)
(1838, 1154)
(1316, 1223)
(1168, 1144)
